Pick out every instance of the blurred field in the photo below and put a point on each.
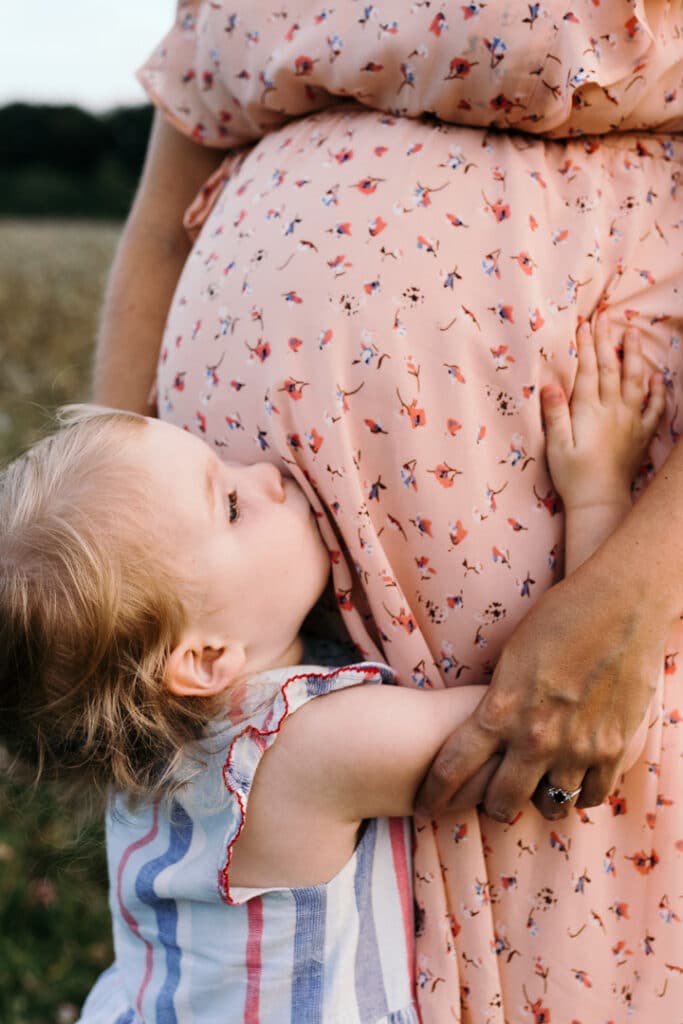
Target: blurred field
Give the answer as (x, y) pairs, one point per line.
(54, 922)
(51, 278)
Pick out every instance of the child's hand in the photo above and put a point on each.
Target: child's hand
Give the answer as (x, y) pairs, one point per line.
(597, 442)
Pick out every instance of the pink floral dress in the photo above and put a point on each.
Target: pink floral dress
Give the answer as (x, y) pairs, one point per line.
(373, 301)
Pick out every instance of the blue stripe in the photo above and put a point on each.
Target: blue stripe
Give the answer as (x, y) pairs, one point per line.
(370, 993)
(126, 1018)
(309, 955)
(166, 910)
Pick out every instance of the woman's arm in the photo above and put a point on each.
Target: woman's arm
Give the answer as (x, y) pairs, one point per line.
(576, 676)
(150, 256)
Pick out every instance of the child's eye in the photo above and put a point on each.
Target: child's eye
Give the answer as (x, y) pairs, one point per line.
(233, 507)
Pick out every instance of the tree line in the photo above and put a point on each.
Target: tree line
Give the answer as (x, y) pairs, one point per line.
(62, 161)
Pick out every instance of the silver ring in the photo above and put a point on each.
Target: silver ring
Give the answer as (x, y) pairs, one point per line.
(560, 796)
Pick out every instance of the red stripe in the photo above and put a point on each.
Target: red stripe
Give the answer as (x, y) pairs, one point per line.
(125, 912)
(397, 833)
(255, 919)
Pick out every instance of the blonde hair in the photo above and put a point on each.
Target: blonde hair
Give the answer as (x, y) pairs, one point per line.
(89, 613)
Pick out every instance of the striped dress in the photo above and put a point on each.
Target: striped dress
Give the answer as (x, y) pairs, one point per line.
(193, 949)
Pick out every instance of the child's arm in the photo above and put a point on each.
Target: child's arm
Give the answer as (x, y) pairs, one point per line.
(353, 754)
(597, 441)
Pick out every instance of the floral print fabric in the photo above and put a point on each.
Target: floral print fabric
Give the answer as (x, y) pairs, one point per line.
(230, 71)
(374, 302)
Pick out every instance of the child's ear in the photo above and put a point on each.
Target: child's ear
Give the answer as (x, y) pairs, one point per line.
(196, 669)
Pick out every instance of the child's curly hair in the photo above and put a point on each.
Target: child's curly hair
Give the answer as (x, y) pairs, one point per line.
(89, 612)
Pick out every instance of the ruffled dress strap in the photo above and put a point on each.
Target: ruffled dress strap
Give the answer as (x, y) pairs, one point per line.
(267, 703)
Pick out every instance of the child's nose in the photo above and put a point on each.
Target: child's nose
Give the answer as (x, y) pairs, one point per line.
(270, 480)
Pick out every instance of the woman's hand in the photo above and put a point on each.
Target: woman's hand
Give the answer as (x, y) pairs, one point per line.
(569, 691)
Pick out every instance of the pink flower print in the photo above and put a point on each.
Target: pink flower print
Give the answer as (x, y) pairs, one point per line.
(497, 50)
(200, 421)
(502, 357)
(644, 863)
(374, 427)
(455, 372)
(343, 156)
(427, 245)
(525, 263)
(505, 313)
(339, 265)
(632, 27)
(582, 978)
(456, 221)
(456, 533)
(499, 209)
(453, 426)
(295, 344)
(294, 388)
(294, 442)
(424, 526)
(368, 186)
(403, 619)
(620, 910)
(372, 66)
(559, 236)
(438, 24)
(344, 601)
(460, 68)
(234, 422)
(292, 31)
(540, 1012)
(617, 803)
(417, 416)
(315, 441)
(472, 10)
(560, 843)
(342, 229)
(292, 297)
(536, 320)
(445, 474)
(179, 381)
(376, 226)
(304, 65)
(261, 350)
(325, 337)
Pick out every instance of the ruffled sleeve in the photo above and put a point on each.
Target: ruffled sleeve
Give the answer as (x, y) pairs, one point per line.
(229, 72)
(257, 732)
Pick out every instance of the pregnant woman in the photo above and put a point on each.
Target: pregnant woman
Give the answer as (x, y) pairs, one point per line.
(378, 290)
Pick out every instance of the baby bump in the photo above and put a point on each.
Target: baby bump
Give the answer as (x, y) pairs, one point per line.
(375, 303)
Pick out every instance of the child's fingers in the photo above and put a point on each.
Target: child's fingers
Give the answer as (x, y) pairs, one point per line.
(656, 403)
(609, 373)
(557, 419)
(632, 377)
(586, 383)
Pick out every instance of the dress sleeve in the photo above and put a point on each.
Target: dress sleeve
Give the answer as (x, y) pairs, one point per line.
(259, 731)
(229, 71)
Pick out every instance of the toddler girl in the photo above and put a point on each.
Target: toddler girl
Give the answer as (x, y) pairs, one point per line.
(151, 601)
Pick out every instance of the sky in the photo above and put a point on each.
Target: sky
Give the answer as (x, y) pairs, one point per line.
(78, 51)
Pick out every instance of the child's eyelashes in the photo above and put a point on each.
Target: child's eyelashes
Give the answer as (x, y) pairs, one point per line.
(233, 507)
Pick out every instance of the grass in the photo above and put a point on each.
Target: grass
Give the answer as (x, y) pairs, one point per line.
(54, 920)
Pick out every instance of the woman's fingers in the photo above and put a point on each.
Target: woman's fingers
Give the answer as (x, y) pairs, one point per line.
(512, 786)
(557, 793)
(656, 403)
(557, 419)
(632, 380)
(455, 769)
(609, 373)
(586, 382)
